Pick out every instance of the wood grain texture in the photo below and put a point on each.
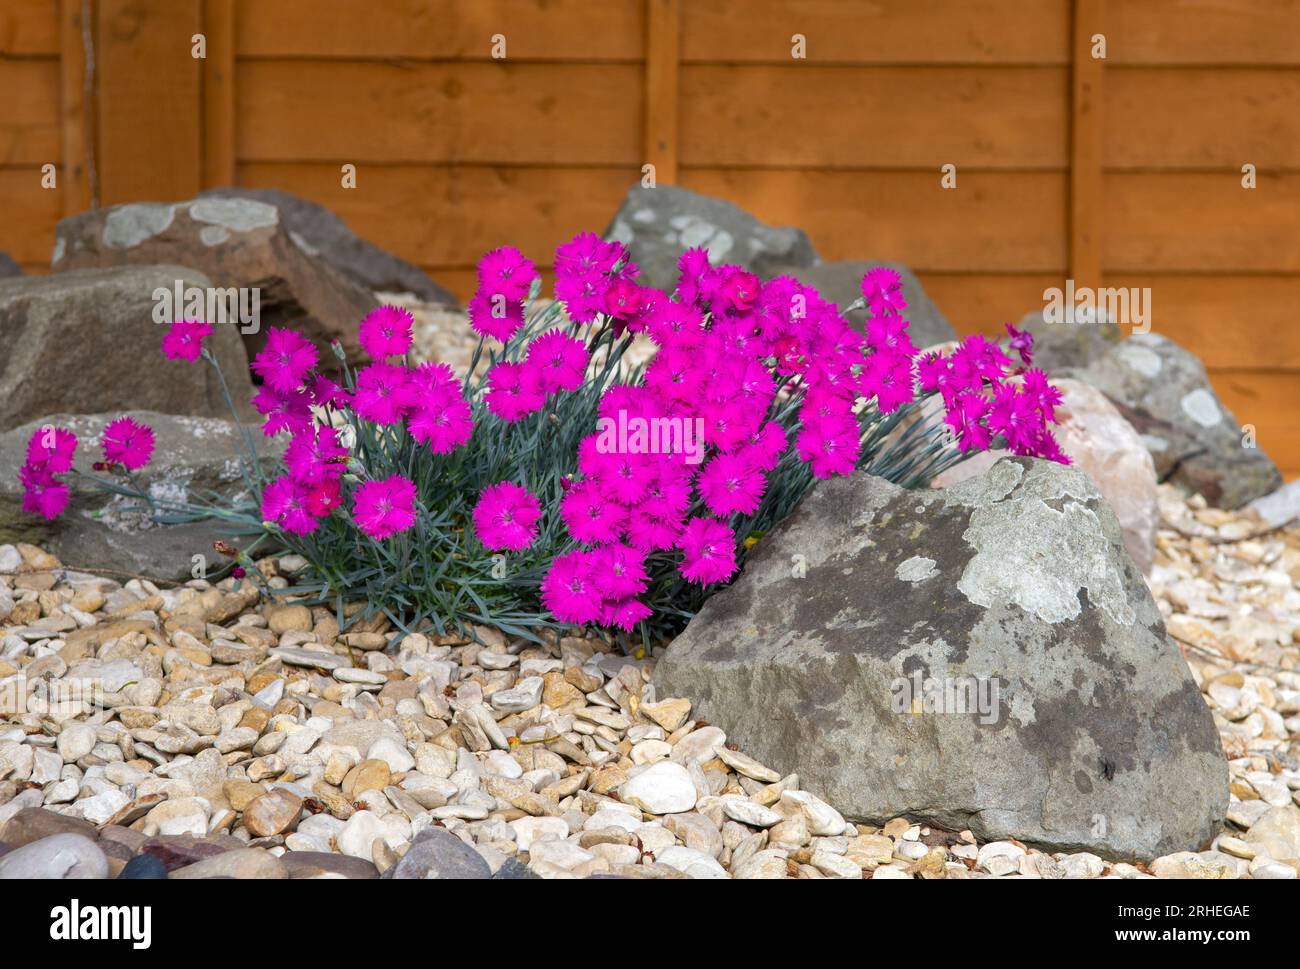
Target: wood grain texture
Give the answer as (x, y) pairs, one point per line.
(1221, 32)
(1230, 322)
(882, 31)
(30, 131)
(439, 215)
(875, 117)
(74, 112)
(30, 214)
(1266, 399)
(1203, 222)
(29, 27)
(663, 26)
(1087, 100)
(388, 112)
(1199, 118)
(992, 222)
(535, 30)
(219, 94)
(149, 100)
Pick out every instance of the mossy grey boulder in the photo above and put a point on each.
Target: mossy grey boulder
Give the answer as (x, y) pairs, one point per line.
(86, 343)
(841, 283)
(983, 657)
(1195, 441)
(319, 231)
(244, 246)
(658, 224)
(194, 458)
(8, 267)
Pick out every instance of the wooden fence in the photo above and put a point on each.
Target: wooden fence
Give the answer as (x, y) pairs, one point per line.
(1125, 171)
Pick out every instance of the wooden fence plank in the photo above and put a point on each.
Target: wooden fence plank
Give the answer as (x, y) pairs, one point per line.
(663, 23)
(1201, 222)
(149, 100)
(505, 113)
(451, 215)
(884, 31)
(1267, 400)
(1086, 105)
(29, 27)
(875, 117)
(992, 222)
(76, 170)
(30, 214)
(1245, 32)
(983, 302)
(29, 120)
(1167, 118)
(1230, 322)
(219, 94)
(546, 30)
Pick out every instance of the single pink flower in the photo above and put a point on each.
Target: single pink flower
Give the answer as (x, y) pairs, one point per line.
(184, 341)
(494, 315)
(52, 448)
(568, 590)
(285, 361)
(43, 494)
(505, 517)
(315, 456)
(386, 332)
(515, 390)
(128, 443)
(560, 360)
(591, 515)
(625, 613)
(729, 483)
(506, 271)
(381, 394)
(709, 551)
(383, 508)
(284, 502)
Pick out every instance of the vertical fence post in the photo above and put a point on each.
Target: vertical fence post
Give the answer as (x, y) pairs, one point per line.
(75, 111)
(149, 100)
(1087, 185)
(663, 31)
(219, 94)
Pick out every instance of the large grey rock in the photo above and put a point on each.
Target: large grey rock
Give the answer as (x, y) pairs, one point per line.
(8, 267)
(240, 244)
(193, 457)
(658, 224)
(1076, 341)
(841, 283)
(60, 856)
(1091, 734)
(86, 342)
(321, 232)
(1195, 441)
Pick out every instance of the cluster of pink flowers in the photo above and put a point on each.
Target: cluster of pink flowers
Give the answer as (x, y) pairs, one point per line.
(427, 400)
(125, 442)
(986, 397)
